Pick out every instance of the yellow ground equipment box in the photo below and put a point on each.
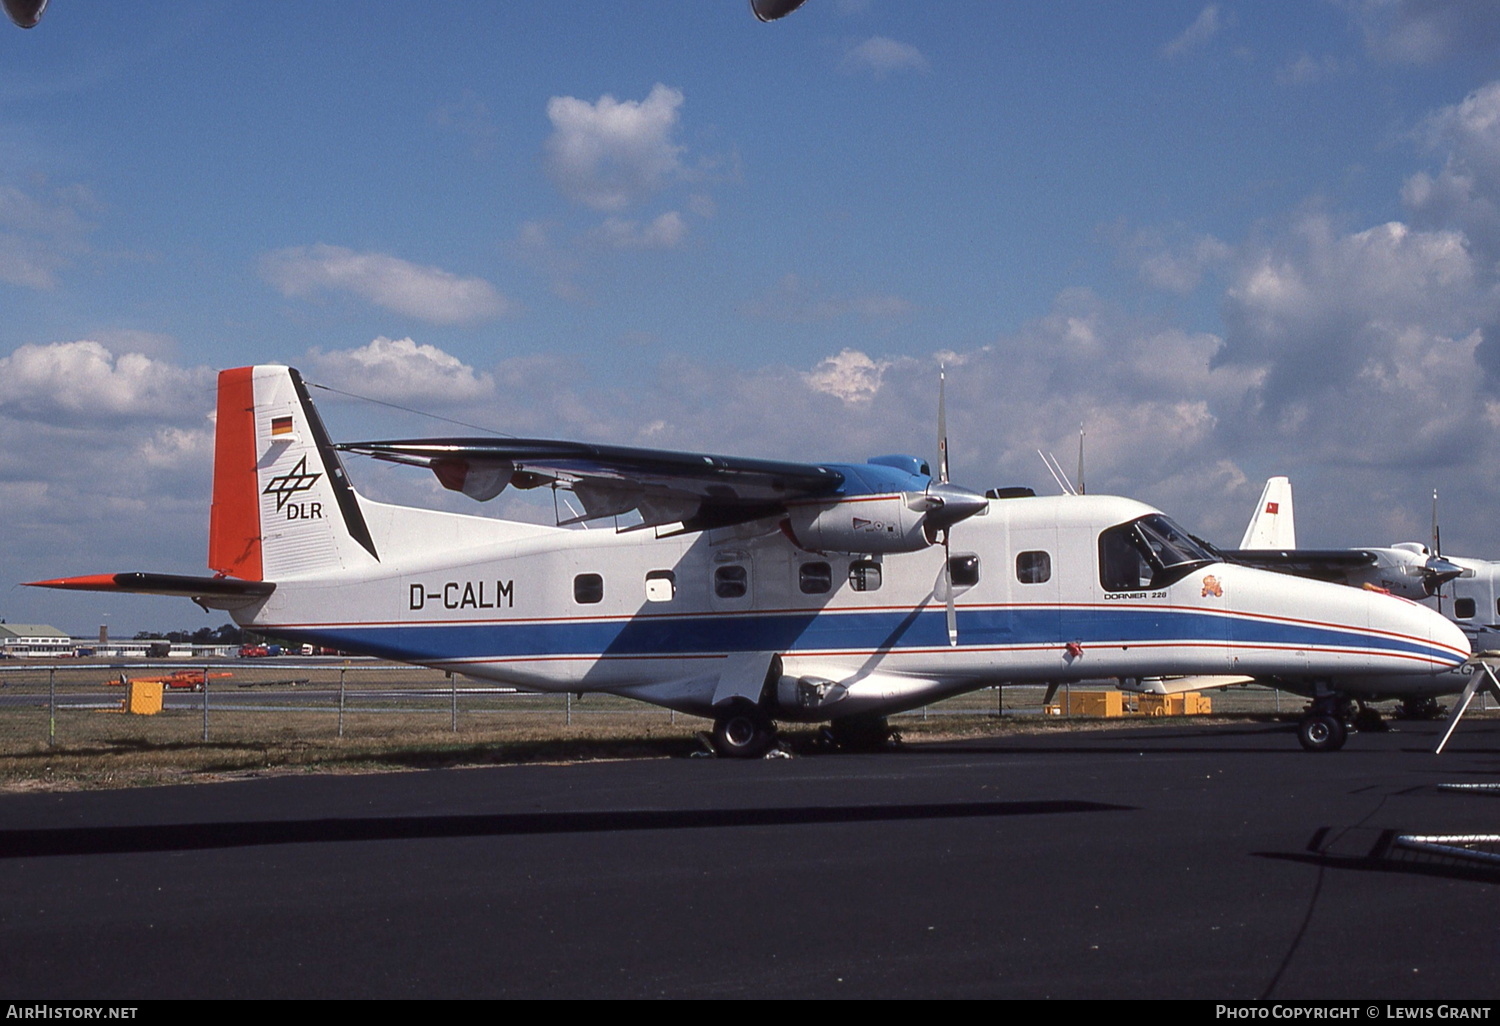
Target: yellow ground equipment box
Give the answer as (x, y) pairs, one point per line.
(1187, 703)
(143, 697)
(1088, 703)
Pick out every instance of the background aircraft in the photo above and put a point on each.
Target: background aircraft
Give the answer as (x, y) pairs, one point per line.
(751, 591)
(1465, 590)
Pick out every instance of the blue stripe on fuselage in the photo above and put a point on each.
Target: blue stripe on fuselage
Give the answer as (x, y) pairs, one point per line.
(923, 627)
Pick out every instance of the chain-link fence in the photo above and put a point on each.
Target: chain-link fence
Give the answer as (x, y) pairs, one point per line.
(79, 701)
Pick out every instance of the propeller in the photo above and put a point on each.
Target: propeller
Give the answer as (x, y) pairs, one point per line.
(1438, 571)
(945, 504)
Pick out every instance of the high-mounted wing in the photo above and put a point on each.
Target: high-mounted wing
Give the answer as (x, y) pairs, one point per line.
(696, 490)
(1318, 564)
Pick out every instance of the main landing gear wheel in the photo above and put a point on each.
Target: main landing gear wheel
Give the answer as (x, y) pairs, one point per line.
(1322, 733)
(743, 732)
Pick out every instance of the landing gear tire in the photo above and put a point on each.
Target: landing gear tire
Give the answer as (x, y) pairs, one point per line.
(860, 733)
(1322, 733)
(743, 732)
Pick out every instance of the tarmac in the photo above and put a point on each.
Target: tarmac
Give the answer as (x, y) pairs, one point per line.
(1180, 861)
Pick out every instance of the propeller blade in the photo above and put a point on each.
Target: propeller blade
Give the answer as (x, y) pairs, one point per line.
(952, 607)
(942, 426)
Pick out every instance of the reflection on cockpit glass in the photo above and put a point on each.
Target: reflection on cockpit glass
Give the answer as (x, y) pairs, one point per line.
(1149, 552)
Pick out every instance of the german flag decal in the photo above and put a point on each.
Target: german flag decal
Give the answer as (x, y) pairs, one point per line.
(281, 426)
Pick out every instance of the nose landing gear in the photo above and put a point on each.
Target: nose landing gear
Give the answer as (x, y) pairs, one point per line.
(1326, 724)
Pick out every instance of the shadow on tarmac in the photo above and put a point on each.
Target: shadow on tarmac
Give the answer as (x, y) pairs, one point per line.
(1372, 851)
(201, 836)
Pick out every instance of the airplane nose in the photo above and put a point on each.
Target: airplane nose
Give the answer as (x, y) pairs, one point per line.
(1446, 645)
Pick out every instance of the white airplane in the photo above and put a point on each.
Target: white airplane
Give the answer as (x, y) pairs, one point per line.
(1411, 570)
(751, 591)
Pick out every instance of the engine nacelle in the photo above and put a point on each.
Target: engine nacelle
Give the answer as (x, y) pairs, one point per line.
(866, 525)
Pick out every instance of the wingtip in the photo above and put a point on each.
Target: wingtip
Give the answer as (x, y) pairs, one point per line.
(89, 582)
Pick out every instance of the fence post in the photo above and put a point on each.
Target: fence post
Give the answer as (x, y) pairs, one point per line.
(51, 706)
(568, 708)
(453, 682)
(205, 703)
(342, 670)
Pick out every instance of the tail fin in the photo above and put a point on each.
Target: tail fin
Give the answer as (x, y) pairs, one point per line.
(1272, 526)
(282, 504)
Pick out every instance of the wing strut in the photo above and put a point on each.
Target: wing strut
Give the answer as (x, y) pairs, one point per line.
(1482, 679)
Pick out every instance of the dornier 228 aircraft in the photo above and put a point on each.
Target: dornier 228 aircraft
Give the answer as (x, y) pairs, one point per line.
(750, 591)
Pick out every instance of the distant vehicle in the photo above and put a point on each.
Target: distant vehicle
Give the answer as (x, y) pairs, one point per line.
(182, 680)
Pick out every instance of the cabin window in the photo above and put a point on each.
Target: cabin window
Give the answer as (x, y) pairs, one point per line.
(661, 586)
(963, 570)
(1034, 567)
(815, 578)
(588, 589)
(1463, 608)
(864, 575)
(1150, 552)
(731, 582)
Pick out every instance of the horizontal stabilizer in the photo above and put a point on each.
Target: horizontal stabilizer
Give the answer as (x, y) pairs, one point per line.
(162, 584)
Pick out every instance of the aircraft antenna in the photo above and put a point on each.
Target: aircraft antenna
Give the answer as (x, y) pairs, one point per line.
(1080, 460)
(1055, 469)
(408, 409)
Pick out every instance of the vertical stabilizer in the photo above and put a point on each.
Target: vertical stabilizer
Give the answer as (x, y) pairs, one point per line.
(282, 504)
(1272, 526)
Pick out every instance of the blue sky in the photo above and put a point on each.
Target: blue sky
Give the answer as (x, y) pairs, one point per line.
(1232, 239)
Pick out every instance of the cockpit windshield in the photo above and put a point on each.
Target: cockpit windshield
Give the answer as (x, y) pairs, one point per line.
(1149, 552)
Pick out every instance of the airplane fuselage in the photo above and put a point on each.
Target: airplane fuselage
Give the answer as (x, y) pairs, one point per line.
(665, 619)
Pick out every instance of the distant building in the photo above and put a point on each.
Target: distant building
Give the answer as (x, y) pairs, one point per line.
(33, 641)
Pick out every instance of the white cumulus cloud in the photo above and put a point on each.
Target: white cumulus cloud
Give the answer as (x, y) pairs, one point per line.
(426, 293)
(851, 376)
(612, 153)
(70, 382)
(402, 370)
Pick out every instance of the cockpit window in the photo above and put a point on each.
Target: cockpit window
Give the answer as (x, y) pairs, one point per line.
(1151, 552)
